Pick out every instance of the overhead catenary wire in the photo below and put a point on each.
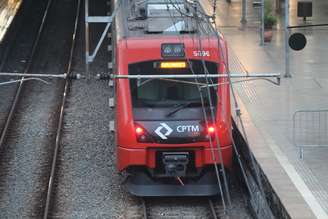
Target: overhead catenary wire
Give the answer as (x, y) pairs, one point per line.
(257, 173)
(196, 17)
(183, 14)
(243, 130)
(238, 115)
(206, 123)
(25, 79)
(254, 163)
(213, 117)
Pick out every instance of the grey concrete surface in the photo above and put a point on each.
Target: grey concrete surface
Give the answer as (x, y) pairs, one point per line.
(270, 107)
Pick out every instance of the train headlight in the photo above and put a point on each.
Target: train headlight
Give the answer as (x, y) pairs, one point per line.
(141, 134)
(139, 131)
(170, 50)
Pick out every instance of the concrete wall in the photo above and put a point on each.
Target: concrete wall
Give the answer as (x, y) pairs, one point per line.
(272, 206)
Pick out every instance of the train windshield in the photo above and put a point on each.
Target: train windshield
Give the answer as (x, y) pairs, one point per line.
(171, 93)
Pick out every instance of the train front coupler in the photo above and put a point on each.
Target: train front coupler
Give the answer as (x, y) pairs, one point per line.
(175, 163)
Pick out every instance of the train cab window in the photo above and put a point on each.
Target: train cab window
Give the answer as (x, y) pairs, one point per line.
(169, 93)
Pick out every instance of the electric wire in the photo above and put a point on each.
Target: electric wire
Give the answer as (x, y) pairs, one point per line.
(206, 123)
(210, 101)
(183, 14)
(238, 63)
(254, 163)
(257, 172)
(212, 113)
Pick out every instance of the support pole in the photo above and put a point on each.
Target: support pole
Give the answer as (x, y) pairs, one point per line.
(181, 76)
(287, 57)
(244, 12)
(14, 74)
(90, 54)
(87, 38)
(262, 24)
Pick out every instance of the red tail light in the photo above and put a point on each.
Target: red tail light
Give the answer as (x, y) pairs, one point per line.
(210, 130)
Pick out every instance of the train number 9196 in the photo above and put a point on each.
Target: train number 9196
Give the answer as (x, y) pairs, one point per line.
(201, 53)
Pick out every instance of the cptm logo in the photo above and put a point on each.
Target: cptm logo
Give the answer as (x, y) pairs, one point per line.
(158, 131)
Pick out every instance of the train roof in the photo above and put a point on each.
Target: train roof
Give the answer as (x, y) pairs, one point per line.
(161, 18)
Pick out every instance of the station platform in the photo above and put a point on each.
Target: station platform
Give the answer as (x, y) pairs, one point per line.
(268, 110)
(8, 10)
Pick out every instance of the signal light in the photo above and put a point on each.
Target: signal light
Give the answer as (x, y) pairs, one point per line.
(139, 131)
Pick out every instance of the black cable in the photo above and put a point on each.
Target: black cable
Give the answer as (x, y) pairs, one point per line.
(243, 130)
(183, 14)
(257, 171)
(213, 116)
(206, 121)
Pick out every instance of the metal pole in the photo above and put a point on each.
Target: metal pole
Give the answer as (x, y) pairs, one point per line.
(244, 12)
(87, 38)
(231, 75)
(287, 70)
(33, 75)
(262, 24)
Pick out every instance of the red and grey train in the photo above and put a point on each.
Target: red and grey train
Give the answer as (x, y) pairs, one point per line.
(166, 132)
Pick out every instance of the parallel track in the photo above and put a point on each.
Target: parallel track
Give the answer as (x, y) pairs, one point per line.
(26, 70)
(23, 89)
(61, 115)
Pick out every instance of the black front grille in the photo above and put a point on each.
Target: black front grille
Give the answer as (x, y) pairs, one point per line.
(160, 168)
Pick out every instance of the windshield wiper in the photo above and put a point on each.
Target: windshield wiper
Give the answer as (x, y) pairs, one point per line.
(179, 107)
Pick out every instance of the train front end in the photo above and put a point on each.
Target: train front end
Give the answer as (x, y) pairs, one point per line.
(171, 127)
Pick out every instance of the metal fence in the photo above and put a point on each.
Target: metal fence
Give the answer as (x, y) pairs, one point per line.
(310, 129)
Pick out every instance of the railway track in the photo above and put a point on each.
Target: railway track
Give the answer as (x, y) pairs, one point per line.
(182, 208)
(190, 207)
(27, 68)
(61, 115)
(30, 137)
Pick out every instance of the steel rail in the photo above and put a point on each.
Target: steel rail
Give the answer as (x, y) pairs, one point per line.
(212, 208)
(61, 115)
(27, 69)
(215, 214)
(144, 208)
